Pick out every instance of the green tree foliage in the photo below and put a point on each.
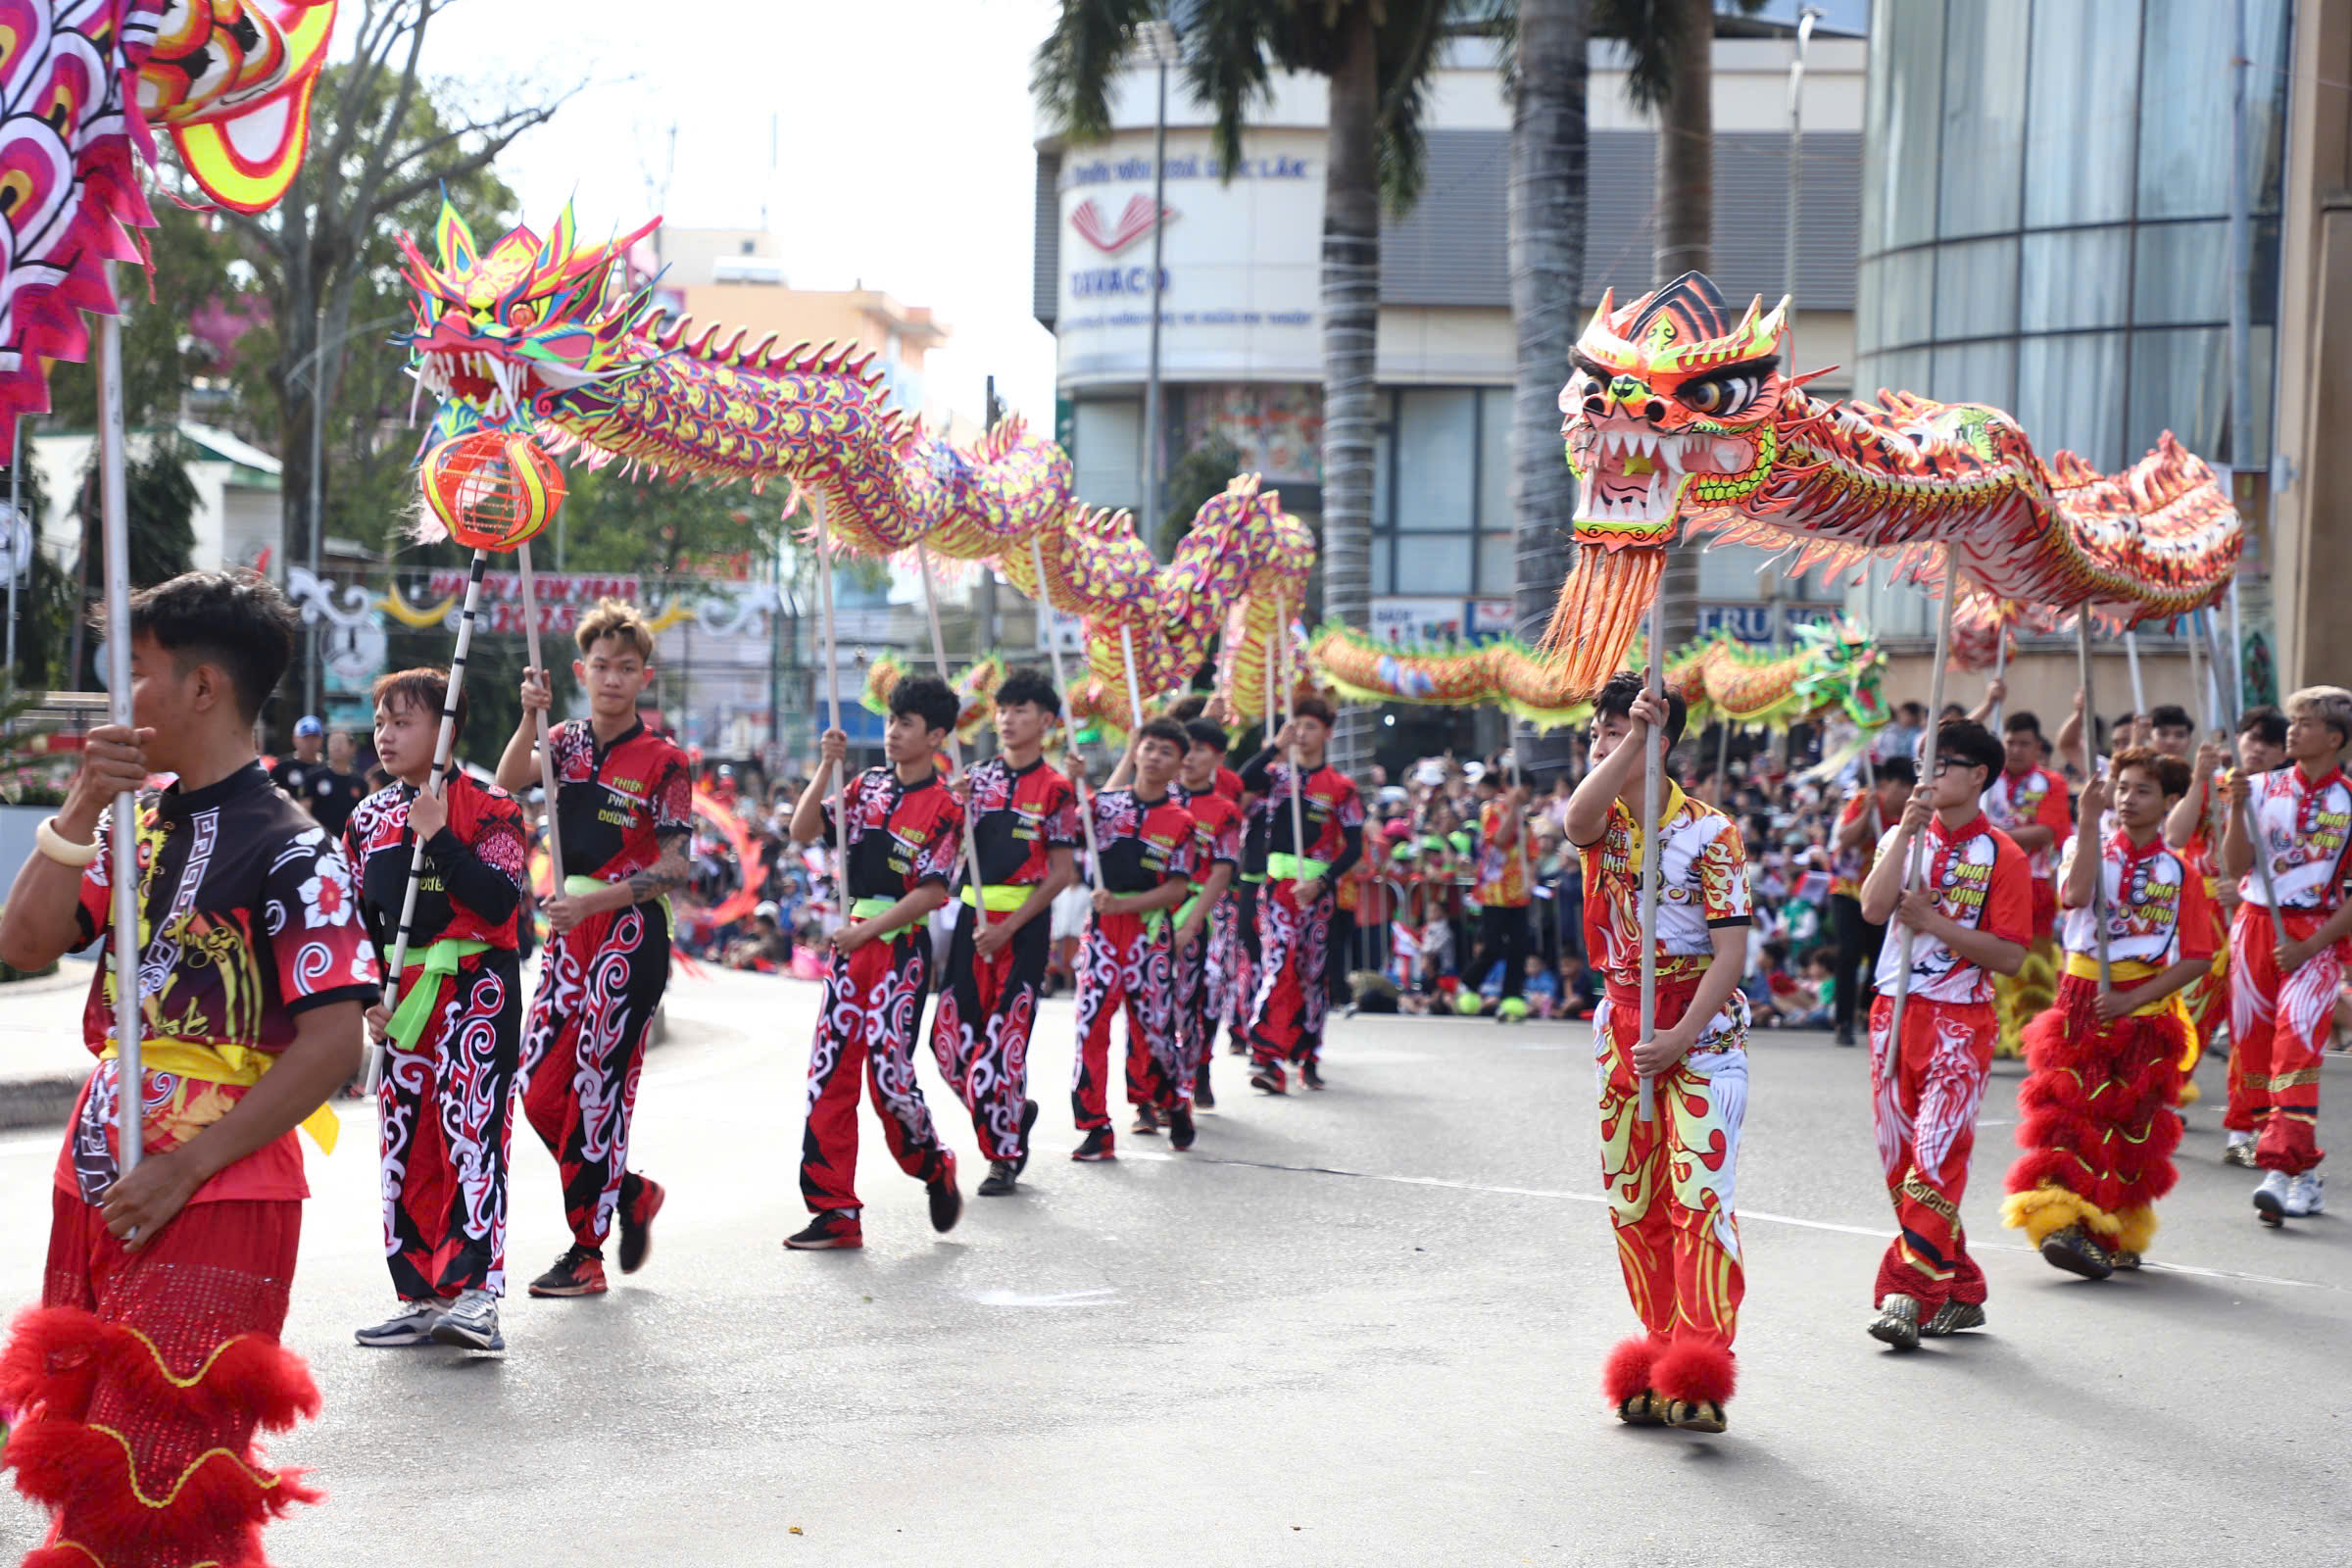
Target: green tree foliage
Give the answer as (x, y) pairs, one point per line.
(1193, 479)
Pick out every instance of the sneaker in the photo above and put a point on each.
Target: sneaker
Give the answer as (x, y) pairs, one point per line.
(2124, 1260)
(1703, 1415)
(2269, 1198)
(637, 1213)
(1020, 1162)
(1954, 1316)
(579, 1271)
(1311, 1075)
(999, 1182)
(947, 1203)
(1146, 1121)
(413, 1324)
(833, 1230)
(1897, 1323)
(1845, 1037)
(1238, 1046)
(2071, 1250)
(2241, 1152)
(1180, 1126)
(471, 1323)
(2304, 1196)
(1268, 1080)
(1099, 1146)
(1644, 1409)
(1203, 1097)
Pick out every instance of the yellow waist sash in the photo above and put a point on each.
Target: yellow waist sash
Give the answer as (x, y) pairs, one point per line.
(2129, 972)
(238, 1065)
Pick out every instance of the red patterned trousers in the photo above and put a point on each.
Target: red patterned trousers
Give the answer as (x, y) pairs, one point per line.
(1286, 1021)
(138, 1385)
(2278, 1028)
(1204, 984)
(445, 1115)
(873, 1004)
(1126, 963)
(1923, 1094)
(980, 1031)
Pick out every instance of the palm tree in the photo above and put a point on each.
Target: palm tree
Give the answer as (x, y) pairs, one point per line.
(1379, 57)
(1548, 80)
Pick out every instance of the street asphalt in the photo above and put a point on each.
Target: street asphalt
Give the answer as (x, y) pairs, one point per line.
(1361, 1327)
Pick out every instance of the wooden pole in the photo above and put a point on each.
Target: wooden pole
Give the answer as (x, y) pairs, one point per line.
(130, 1096)
(1653, 805)
(2090, 706)
(1914, 863)
(2000, 665)
(824, 599)
(546, 755)
(1045, 604)
(939, 657)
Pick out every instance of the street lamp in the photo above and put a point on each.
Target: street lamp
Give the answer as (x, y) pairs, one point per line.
(1157, 41)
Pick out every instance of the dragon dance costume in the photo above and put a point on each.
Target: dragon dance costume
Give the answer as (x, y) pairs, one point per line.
(1926, 1087)
(446, 1105)
(601, 982)
(1248, 887)
(1205, 973)
(138, 1385)
(901, 836)
(1292, 995)
(1669, 1179)
(2036, 798)
(2095, 1113)
(981, 1030)
(1127, 962)
(1502, 897)
(2280, 1024)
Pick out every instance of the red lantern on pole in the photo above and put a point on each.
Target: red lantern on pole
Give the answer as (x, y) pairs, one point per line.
(492, 489)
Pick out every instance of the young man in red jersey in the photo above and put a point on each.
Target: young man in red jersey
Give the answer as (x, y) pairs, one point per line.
(2282, 988)
(1144, 839)
(905, 832)
(2096, 1117)
(2028, 802)
(624, 808)
(1672, 1106)
(1294, 907)
(1207, 940)
(137, 1385)
(1968, 919)
(1025, 824)
(445, 1109)
(1861, 823)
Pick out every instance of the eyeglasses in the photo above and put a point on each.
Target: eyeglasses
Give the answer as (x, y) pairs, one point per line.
(1944, 763)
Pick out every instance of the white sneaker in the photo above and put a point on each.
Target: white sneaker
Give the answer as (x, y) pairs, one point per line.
(413, 1324)
(2271, 1197)
(470, 1323)
(2304, 1196)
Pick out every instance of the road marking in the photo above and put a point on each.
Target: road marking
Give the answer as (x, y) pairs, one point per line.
(1100, 1297)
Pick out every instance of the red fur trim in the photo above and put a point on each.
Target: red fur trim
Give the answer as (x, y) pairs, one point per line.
(54, 1353)
(1694, 1370)
(51, 1359)
(1626, 1373)
(217, 1499)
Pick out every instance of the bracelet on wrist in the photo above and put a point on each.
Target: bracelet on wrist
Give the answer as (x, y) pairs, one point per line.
(55, 846)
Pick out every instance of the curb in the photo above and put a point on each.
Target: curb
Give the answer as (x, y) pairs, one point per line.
(38, 1101)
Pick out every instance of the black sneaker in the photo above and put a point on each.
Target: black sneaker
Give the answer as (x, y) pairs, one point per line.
(1204, 1096)
(1180, 1126)
(1846, 1037)
(999, 1181)
(1238, 1046)
(2077, 1252)
(947, 1203)
(1098, 1145)
(637, 1211)
(579, 1271)
(1310, 1074)
(1146, 1121)
(1020, 1162)
(833, 1229)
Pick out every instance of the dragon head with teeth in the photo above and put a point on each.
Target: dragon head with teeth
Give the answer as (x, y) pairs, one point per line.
(1671, 403)
(503, 336)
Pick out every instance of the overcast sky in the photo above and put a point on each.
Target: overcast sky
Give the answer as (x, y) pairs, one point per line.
(902, 145)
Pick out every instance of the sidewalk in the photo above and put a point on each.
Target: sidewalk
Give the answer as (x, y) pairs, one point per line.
(42, 1059)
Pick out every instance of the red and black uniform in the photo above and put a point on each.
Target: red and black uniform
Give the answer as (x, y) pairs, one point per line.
(1286, 1017)
(1129, 961)
(980, 1032)
(1204, 974)
(600, 985)
(445, 1107)
(1248, 884)
(139, 1382)
(901, 837)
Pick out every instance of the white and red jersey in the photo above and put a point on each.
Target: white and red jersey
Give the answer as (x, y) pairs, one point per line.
(1702, 884)
(2036, 798)
(2305, 828)
(2155, 902)
(1980, 879)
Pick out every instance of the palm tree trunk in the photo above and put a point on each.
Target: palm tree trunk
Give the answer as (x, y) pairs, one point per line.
(1351, 337)
(1685, 233)
(1548, 270)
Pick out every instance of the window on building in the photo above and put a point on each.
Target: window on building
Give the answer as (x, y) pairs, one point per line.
(1109, 441)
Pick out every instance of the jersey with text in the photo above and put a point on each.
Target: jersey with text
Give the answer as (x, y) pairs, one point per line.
(1981, 879)
(1702, 884)
(1217, 828)
(2036, 798)
(900, 835)
(617, 800)
(485, 820)
(1328, 808)
(2154, 900)
(2305, 828)
(1144, 844)
(1019, 816)
(1502, 870)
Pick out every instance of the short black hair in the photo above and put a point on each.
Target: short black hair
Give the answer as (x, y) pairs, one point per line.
(1163, 729)
(235, 620)
(2170, 716)
(1314, 707)
(1616, 699)
(1970, 742)
(1899, 771)
(1209, 733)
(426, 689)
(1029, 685)
(1188, 708)
(2023, 718)
(2266, 724)
(927, 697)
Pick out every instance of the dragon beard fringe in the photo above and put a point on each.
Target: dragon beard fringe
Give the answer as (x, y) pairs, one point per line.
(1601, 610)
